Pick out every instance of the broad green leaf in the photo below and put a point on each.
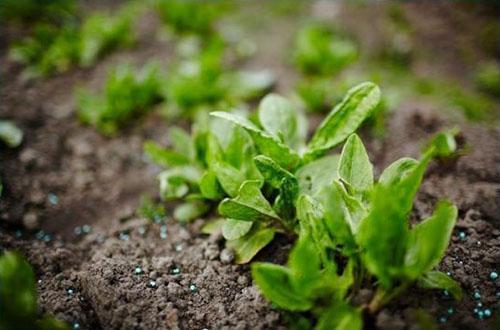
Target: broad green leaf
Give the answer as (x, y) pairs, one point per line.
(272, 172)
(342, 215)
(429, 239)
(278, 117)
(284, 203)
(443, 144)
(274, 283)
(234, 229)
(213, 151)
(344, 119)
(317, 174)
(191, 210)
(265, 143)
(355, 167)
(397, 170)
(382, 235)
(229, 177)
(212, 226)
(10, 134)
(176, 182)
(249, 204)
(248, 246)
(210, 187)
(17, 291)
(164, 157)
(310, 215)
(181, 141)
(240, 148)
(304, 264)
(439, 280)
(340, 316)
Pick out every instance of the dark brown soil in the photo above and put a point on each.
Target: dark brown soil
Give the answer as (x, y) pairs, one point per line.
(65, 176)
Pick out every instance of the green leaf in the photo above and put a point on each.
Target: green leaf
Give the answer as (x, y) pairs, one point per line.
(342, 215)
(240, 149)
(210, 187)
(17, 292)
(272, 172)
(189, 211)
(48, 322)
(248, 246)
(355, 167)
(265, 143)
(317, 174)
(278, 117)
(181, 141)
(164, 157)
(212, 226)
(439, 280)
(304, 264)
(249, 204)
(340, 316)
(310, 214)
(344, 119)
(397, 170)
(443, 144)
(234, 229)
(429, 239)
(176, 182)
(274, 283)
(382, 235)
(10, 134)
(229, 177)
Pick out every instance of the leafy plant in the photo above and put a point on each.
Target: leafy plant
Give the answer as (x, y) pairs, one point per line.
(320, 52)
(18, 297)
(55, 49)
(359, 229)
(189, 16)
(205, 167)
(127, 94)
(288, 166)
(29, 11)
(202, 82)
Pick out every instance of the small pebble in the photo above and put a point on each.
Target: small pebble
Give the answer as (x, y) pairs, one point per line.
(493, 276)
(193, 288)
(178, 247)
(76, 326)
(53, 199)
(480, 314)
(138, 270)
(479, 304)
(175, 271)
(477, 295)
(152, 284)
(443, 319)
(86, 229)
(70, 292)
(462, 235)
(450, 310)
(141, 231)
(18, 233)
(77, 231)
(163, 231)
(124, 236)
(487, 312)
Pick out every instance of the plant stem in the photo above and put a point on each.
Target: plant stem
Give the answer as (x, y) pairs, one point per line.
(383, 297)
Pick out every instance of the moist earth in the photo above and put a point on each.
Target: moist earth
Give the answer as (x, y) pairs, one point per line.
(124, 272)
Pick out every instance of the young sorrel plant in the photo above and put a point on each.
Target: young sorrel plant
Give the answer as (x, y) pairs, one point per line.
(55, 49)
(320, 52)
(288, 165)
(127, 95)
(205, 167)
(18, 297)
(363, 225)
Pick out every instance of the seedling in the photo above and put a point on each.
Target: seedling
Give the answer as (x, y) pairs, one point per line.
(205, 167)
(53, 49)
(202, 82)
(359, 229)
(320, 52)
(288, 166)
(191, 16)
(127, 95)
(18, 297)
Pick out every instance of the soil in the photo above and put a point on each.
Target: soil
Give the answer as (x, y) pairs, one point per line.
(66, 176)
